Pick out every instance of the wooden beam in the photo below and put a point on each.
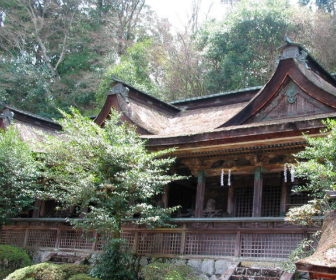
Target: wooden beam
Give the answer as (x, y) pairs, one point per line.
(200, 194)
(258, 188)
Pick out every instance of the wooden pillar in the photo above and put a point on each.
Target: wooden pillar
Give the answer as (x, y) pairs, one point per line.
(257, 196)
(83, 212)
(37, 208)
(284, 195)
(42, 209)
(200, 194)
(165, 195)
(230, 202)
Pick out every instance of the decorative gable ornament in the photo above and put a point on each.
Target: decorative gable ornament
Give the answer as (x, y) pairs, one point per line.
(119, 88)
(7, 115)
(291, 94)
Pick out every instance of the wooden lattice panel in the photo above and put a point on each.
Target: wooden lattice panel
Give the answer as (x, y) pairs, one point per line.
(13, 237)
(269, 245)
(75, 240)
(159, 243)
(243, 202)
(220, 244)
(270, 203)
(299, 198)
(53, 209)
(42, 238)
(102, 240)
(129, 237)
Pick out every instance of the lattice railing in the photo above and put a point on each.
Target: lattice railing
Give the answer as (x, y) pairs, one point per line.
(159, 243)
(71, 239)
(269, 245)
(13, 237)
(42, 238)
(232, 237)
(210, 244)
(129, 238)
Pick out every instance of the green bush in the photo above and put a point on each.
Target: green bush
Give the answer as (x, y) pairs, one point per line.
(116, 263)
(167, 271)
(82, 277)
(72, 269)
(12, 258)
(49, 271)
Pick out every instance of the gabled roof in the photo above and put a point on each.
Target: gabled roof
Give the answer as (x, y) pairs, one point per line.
(288, 71)
(27, 124)
(297, 97)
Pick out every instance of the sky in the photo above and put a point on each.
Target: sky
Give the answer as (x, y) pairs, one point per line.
(178, 11)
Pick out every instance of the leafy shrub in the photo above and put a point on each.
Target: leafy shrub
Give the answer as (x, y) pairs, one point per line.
(82, 277)
(48, 271)
(12, 258)
(116, 263)
(304, 250)
(72, 269)
(166, 271)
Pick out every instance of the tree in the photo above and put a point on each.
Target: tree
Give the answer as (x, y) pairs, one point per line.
(316, 165)
(240, 51)
(166, 66)
(40, 27)
(18, 173)
(326, 6)
(106, 169)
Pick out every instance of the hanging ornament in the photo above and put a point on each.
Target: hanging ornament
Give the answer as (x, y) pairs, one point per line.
(292, 173)
(229, 178)
(285, 172)
(222, 178)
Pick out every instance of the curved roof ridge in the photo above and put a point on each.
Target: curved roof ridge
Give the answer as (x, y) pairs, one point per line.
(216, 94)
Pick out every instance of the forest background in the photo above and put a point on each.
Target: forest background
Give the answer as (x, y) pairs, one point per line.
(62, 53)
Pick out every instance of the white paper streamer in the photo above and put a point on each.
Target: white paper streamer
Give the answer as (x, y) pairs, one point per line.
(222, 178)
(285, 172)
(229, 178)
(292, 173)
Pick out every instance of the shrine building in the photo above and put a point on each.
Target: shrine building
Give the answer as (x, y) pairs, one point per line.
(237, 149)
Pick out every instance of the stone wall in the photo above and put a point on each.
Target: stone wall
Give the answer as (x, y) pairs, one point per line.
(210, 269)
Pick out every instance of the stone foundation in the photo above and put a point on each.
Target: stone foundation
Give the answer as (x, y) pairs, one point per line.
(211, 269)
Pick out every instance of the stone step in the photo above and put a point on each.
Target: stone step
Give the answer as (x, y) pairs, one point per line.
(244, 277)
(65, 258)
(264, 272)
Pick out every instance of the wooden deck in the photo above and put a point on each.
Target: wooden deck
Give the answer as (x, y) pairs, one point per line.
(190, 238)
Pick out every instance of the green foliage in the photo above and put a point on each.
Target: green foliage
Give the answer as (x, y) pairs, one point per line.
(115, 263)
(239, 51)
(82, 277)
(106, 169)
(71, 269)
(304, 250)
(23, 82)
(167, 271)
(327, 6)
(317, 166)
(12, 258)
(135, 68)
(49, 271)
(18, 173)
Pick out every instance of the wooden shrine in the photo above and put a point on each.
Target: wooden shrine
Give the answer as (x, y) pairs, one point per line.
(237, 147)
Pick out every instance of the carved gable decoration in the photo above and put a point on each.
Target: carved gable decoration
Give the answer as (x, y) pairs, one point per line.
(290, 101)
